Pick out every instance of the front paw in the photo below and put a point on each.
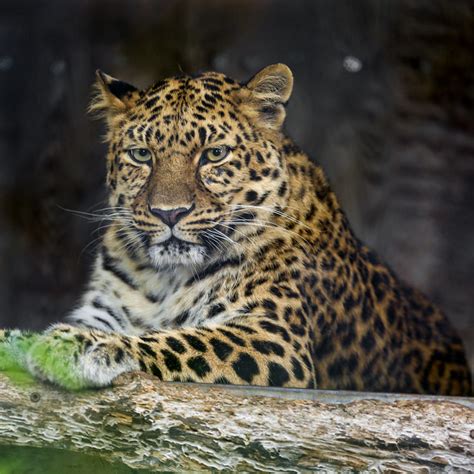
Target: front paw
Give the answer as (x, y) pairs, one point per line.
(14, 346)
(75, 358)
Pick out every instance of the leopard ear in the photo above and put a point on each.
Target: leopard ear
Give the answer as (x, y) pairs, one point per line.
(267, 94)
(111, 96)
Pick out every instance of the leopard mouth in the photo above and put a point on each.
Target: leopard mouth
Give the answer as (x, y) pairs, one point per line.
(174, 252)
(176, 241)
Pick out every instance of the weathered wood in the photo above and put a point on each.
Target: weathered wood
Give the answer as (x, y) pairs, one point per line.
(152, 425)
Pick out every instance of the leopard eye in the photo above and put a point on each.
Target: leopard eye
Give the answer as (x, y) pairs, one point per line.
(215, 154)
(140, 155)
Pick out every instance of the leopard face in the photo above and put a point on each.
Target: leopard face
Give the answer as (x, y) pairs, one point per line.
(194, 159)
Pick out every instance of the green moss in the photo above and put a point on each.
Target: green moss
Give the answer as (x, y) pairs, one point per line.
(13, 348)
(21, 378)
(50, 356)
(22, 460)
(54, 357)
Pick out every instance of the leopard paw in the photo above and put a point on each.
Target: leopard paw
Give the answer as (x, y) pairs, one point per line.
(74, 358)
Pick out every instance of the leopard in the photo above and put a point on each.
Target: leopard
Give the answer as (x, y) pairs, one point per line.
(227, 259)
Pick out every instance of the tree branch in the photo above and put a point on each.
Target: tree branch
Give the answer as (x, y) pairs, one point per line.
(147, 424)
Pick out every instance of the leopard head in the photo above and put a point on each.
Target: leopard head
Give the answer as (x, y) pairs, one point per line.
(194, 164)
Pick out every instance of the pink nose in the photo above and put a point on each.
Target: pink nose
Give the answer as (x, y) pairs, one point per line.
(171, 216)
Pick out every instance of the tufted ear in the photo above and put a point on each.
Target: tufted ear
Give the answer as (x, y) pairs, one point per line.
(267, 93)
(111, 96)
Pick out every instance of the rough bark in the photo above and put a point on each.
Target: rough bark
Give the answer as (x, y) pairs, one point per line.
(157, 426)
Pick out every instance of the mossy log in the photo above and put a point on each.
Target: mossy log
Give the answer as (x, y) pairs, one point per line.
(187, 427)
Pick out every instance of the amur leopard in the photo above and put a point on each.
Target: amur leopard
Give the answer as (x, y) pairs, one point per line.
(227, 259)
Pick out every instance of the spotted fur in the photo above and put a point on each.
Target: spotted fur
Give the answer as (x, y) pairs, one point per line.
(260, 280)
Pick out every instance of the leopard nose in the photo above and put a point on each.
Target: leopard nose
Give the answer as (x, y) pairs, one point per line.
(171, 216)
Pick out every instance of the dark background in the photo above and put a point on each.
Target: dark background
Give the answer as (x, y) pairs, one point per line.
(384, 100)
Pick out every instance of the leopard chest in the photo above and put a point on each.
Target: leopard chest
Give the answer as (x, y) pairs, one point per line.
(173, 299)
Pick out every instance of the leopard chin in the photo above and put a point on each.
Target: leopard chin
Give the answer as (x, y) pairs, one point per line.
(175, 252)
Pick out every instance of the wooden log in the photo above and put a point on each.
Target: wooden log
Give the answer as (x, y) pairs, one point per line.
(187, 427)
